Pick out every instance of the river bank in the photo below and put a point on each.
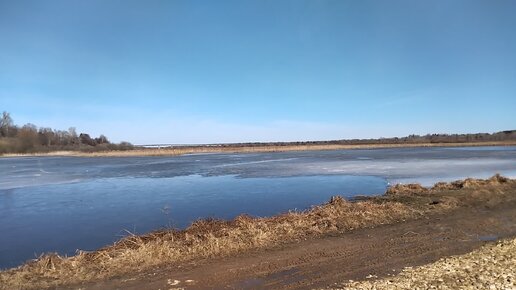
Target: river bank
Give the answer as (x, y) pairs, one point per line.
(234, 148)
(206, 240)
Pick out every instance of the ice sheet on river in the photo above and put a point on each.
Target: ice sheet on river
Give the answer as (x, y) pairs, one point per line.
(424, 165)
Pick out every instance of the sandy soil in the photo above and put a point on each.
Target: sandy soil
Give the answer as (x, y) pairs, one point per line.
(491, 267)
(363, 254)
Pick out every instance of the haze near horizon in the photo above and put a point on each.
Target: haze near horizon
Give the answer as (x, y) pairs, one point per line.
(237, 71)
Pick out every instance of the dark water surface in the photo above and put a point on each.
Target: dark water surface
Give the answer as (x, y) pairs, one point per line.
(66, 203)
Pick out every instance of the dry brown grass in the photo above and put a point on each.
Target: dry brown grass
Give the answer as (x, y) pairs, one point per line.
(414, 188)
(210, 238)
(406, 189)
(471, 183)
(204, 238)
(249, 149)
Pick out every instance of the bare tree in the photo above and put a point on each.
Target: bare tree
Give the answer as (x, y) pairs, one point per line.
(28, 137)
(102, 139)
(46, 136)
(5, 123)
(87, 140)
(74, 139)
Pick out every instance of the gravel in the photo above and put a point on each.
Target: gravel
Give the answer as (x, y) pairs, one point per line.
(491, 267)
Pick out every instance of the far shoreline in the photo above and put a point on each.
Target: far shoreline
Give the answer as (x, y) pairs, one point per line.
(236, 148)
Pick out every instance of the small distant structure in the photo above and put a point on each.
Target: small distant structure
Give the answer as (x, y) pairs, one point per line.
(163, 146)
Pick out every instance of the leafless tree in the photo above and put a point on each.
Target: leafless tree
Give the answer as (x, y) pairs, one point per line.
(46, 136)
(28, 137)
(5, 123)
(74, 139)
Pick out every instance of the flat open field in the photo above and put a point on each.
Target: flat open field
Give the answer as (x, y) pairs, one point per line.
(235, 148)
(332, 243)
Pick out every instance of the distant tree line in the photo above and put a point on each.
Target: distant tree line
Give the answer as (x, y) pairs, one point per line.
(509, 135)
(29, 139)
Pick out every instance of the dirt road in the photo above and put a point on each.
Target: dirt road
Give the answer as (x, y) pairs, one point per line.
(380, 251)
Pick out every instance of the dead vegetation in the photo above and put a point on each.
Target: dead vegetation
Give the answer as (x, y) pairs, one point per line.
(414, 188)
(471, 183)
(236, 148)
(406, 189)
(211, 238)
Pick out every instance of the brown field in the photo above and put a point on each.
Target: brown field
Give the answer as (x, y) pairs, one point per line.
(234, 148)
(209, 239)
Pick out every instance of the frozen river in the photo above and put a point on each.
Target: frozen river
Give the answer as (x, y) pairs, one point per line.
(65, 203)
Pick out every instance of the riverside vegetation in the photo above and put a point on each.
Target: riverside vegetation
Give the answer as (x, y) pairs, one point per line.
(209, 238)
(29, 139)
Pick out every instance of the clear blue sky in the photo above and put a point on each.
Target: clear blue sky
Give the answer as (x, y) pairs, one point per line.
(227, 71)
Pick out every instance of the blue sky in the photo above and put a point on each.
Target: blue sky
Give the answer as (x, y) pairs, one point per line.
(230, 71)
